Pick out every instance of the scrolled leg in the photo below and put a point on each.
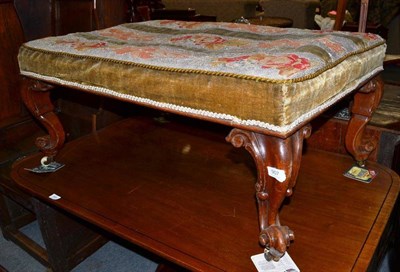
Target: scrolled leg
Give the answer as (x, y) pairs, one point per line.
(278, 164)
(36, 97)
(365, 102)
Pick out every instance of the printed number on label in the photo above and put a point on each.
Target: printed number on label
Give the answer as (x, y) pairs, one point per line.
(276, 173)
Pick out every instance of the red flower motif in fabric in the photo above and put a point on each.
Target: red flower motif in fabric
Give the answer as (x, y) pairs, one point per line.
(181, 24)
(334, 46)
(124, 35)
(287, 65)
(210, 41)
(235, 59)
(143, 53)
(81, 46)
(148, 52)
(370, 36)
(182, 38)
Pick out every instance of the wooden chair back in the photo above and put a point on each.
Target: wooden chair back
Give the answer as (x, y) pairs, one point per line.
(341, 10)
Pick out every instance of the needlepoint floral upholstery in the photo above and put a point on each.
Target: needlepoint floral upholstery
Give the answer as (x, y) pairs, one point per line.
(260, 77)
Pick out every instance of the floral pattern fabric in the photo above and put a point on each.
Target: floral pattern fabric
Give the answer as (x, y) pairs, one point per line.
(261, 52)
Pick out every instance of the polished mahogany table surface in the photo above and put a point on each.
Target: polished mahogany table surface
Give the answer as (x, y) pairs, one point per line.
(177, 189)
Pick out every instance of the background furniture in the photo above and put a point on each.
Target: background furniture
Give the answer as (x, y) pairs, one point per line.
(42, 18)
(17, 130)
(68, 241)
(300, 11)
(180, 14)
(329, 135)
(224, 10)
(15, 125)
(271, 21)
(385, 124)
(380, 17)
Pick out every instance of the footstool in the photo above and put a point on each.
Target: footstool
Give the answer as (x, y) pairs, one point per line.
(267, 83)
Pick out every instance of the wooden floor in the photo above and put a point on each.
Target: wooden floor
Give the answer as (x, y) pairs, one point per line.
(185, 194)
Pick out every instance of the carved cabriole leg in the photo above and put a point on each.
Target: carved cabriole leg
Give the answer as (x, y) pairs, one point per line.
(278, 164)
(365, 102)
(36, 96)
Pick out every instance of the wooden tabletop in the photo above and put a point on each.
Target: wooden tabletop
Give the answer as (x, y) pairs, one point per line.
(271, 21)
(185, 194)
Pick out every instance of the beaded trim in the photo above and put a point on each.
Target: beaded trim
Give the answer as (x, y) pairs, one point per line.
(233, 120)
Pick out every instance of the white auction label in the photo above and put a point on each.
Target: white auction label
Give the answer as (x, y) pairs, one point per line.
(283, 265)
(54, 197)
(276, 173)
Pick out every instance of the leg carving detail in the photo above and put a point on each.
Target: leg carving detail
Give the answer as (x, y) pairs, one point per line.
(365, 102)
(36, 97)
(278, 164)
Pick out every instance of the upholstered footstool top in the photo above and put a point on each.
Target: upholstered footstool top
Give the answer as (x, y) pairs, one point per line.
(264, 78)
